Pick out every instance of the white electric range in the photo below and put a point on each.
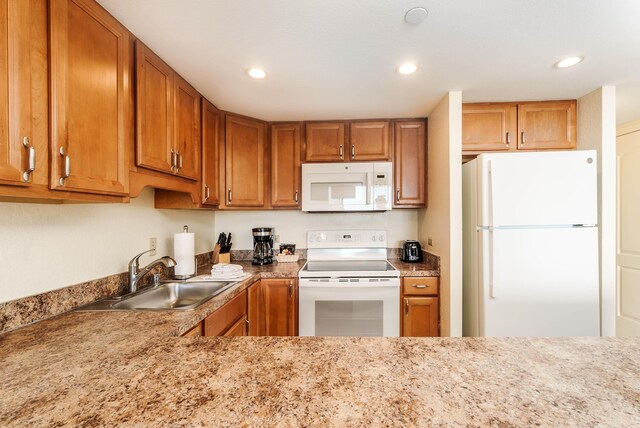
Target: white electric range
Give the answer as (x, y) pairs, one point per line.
(347, 287)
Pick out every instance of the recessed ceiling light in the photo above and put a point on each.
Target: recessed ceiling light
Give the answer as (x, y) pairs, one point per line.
(407, 68)
(257, 73)
(568, 62)
(416, 15)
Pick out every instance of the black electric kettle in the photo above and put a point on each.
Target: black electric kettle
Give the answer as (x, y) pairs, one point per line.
(411, 252)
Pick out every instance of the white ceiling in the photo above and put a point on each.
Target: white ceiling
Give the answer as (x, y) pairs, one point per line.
(332, 59)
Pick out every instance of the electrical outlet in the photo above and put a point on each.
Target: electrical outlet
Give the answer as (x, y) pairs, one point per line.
(153, 244)
(430, 241)
(276, 238)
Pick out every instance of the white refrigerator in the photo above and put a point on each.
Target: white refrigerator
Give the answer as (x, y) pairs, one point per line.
(530, 245)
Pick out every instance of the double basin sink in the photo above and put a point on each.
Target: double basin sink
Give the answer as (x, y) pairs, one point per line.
(165, 296)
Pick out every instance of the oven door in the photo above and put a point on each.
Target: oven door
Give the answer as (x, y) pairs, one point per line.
(339, 307)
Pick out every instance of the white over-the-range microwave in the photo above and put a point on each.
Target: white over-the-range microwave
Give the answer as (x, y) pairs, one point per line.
(335, 187)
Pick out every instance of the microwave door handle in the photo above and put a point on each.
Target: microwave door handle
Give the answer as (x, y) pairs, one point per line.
(368, 187)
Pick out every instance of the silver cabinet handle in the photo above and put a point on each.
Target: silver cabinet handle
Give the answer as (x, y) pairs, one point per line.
(296, 197)
(523, 138)
(230, 196)
(179, 161)
(419, 286)
(353, 152)
(32, 158)
(340, 151)
(508, 138)
(174, 159)
(397, 195)
(406, 306)
(290, 289)
(207, 192)
(67, 166)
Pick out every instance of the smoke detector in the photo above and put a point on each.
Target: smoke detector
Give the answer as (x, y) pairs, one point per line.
(416, 15)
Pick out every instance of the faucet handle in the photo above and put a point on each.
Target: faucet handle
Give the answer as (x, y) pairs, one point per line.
(136, 260)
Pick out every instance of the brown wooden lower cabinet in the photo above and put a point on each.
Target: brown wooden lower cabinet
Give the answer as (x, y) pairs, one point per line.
(420, 307)
(238, 329)
(226, 318)
(272, 307)
(195, 331)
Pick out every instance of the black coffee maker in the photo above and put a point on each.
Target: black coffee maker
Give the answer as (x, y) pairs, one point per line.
(262, 245)
(411, 252)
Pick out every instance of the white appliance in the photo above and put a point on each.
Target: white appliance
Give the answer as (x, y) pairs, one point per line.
(347, 287)
(356, 186)
(530, 241)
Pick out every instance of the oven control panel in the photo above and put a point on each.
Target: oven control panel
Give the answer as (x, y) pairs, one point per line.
(347, 239)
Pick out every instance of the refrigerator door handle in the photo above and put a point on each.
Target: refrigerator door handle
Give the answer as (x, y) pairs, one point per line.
(492, 293)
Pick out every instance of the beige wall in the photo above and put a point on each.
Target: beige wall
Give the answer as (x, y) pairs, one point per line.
(293, 225)
(597, 130)
(442, 219)
(45, 247)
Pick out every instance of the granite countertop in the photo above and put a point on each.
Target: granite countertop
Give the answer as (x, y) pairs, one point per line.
(415, 269)
(130, 369)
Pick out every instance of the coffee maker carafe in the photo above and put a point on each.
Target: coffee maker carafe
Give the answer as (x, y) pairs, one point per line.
(262, 246)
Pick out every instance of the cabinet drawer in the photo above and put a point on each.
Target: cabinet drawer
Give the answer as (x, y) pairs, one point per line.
(224, 318)
(422, 286)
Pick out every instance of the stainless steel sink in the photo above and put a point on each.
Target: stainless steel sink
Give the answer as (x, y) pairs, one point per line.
(170, 295)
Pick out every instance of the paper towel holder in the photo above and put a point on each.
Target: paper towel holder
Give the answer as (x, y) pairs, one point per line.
(185, 229)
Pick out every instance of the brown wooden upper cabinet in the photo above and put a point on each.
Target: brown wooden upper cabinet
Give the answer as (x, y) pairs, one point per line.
(370, 141)
(18, 156)
(325, 141)
(547, 125)
(90, 69)
(540, 125)
(211, 130)
(167, 118)
(489, 127)
(285, 165)
(409, 164)
(244, 153)
(272, 307)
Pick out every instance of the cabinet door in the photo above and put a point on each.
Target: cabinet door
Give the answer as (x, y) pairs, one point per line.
(227, 316)
(409, 166)
(90, 98)
(285, 165)
(420, 317)
(254, 309)
(244, 162)
(187, 129)
(238, 329)
(154, 111)
(547, 125)
(324, 142)
(279, 297)
(211, 119)
(369, 141)
(16, 147)
(489, 127)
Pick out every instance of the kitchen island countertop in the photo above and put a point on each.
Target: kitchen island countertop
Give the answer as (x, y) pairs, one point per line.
(130, 369)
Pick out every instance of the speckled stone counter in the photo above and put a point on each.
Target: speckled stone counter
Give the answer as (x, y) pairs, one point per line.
(426, 268)
(123, 369)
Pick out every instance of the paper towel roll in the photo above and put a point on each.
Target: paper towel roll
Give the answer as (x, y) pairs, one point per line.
(184, 253)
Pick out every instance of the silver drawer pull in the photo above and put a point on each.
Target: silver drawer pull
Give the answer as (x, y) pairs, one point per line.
(522, 139)
(508, 139)
(207, 192)
(296, 197)
(179, 161)
(174, 159)
(67, 166)
(397, 195)
(406, 306)
(230, 196)
(340, 151)
(419, 286)
(32, 158)
(353, 152)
